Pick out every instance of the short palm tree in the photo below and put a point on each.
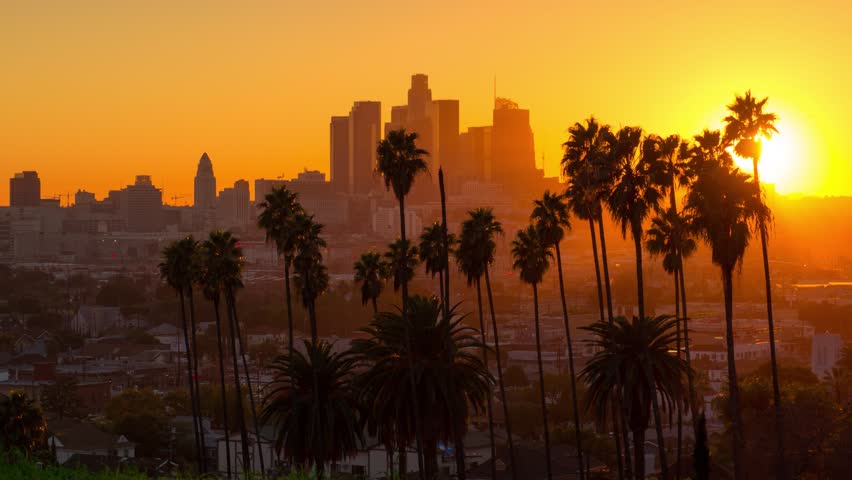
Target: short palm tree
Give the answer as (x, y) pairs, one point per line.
(637, 353)
(224, 261)
(431, 252)
(311, 274)
(746, 125)
(278, 211)
(22, 425)
(531, 258)
(371, 272)
(724, 206)
(399, 160)
(313, 407)
(179, 270)
(475, 253)
(402, 260)
(450, 376)
(551, 217)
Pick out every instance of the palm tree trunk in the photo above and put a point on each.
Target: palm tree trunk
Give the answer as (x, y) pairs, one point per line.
(485, 362)
(619, 412)
(196, 380)
(312, 317)
(241, 419)
(287, 261)
(441, 287)
(658, 425)
(250, 391)
(430, 458)
(446, 241)
(576, 409)
(640, 286)
(639, 453)
(597, 267)
(733, 386)
(222, 385)
(461, 469)
(541, 384)
(192, 393)
(509, 440)
(776, 388)
(686, 348)
(403, 462)
(678, 402)
(375, 306)
(418, 428)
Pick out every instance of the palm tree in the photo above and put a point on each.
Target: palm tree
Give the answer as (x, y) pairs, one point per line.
(551, 216)
(399, 161)
(313, 406)
(311, 275)
(745, 127)
(532, 259)
(210, 282)
(278, 212)
(637, 353)
(178, 269)
(22, 425)
(372, 272)
(587, 164)
(224, 259)
(431, 252)
(402, 260)
(724, 205)
(476, 252)
(451, 377)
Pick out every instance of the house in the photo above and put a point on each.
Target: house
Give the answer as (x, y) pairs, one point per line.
(94, 320)
(70, 437)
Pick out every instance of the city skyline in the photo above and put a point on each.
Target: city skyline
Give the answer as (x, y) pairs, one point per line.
(250, 111)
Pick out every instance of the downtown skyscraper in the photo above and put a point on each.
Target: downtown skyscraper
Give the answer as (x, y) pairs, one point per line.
(204, 197)
(353, 141)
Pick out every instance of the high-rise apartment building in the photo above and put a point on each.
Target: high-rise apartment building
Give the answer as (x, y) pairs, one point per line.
(233, 210)
(205, 193)
(142, 206)
(25, 190)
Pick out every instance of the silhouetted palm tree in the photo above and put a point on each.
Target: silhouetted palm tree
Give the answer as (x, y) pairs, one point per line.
(313, 407)
(278, 212)
(401, 258)
(179, 270)
(637, 352)
(399, 161)
(531, 258)
(311, 275)
(476, 251)
(451, 377)
(745, 127)
(210, 281)
(224, 260)
(431, 252)
(724, 205)
(551, 217)
(372, 272)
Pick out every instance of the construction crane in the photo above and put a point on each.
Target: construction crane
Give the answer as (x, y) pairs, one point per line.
(175, 198)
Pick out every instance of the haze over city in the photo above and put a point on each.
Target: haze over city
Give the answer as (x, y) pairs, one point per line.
(434, 241)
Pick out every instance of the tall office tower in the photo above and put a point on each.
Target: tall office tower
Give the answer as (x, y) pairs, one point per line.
(204, 194)
(339, 153)
(475, 155)
(445, 136)
(512, 148)
(365, 121)
(25, 190)
(399, 115)
(233, 206)
(142, 206)
(263, 186)
(419, 97)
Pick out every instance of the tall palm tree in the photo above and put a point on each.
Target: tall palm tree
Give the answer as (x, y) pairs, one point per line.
(551, 217)
(724, 206)
(451, 377)
(531, 258)
(476, 253)
(402, 260)
(278, 211)
(587, 164)
(313, 406)
(178, 269)
(637, 352)
(746, 125)
(431, 252)
(210, 281)
(372, 272)
(399, 160)
(225, 258)
(311, 275)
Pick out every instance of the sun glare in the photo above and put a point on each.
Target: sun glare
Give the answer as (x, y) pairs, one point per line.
(777, 163)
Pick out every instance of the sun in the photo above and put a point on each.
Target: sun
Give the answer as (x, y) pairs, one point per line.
(777, 163)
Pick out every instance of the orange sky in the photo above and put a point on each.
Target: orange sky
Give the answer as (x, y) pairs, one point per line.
(95, 92)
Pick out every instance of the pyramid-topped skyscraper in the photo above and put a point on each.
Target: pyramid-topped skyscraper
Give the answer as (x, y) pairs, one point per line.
(205, 192)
